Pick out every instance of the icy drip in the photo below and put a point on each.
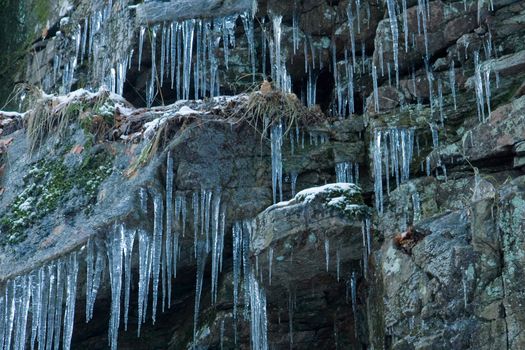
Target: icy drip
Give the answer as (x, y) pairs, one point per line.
(277, 164)
(394, 148)
(395, 35)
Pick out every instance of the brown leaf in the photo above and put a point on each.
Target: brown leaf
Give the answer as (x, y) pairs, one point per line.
(77, 149)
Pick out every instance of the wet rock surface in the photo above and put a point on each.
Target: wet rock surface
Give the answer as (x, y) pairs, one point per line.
(440, 268)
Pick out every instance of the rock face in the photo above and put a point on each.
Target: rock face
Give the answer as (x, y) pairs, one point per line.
(140, 210)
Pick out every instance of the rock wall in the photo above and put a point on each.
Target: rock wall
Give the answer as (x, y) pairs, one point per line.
(422, 104)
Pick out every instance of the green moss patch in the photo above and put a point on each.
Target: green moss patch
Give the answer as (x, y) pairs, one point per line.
(48, 184)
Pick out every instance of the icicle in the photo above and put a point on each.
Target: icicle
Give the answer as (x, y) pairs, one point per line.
(440, 103)
(376, 91)
(144, 276)
(51, 305)
(42, 321)
(150, 93)
(293, 179)
(400, 152)
(358, 12)
(9, 313)
(162, 52)
(378, 175)
(405, 23)
(486, 74)
(350, 16)
(237, 236)
(188, 33)
(59, 303)
(169, 248)
(173, 51)
(395, 35)
(295, 28)
(95, 266)
(430, 79)
(277, 165)
(280, 67)
(36, 306)
(71, 292)
(270, 261)
(258, 319)
(129, 240)
(156, 250)
(142, 31)
(353, 292)
(248, 23)
(84, 40)
(114, 250)
(217, 245)
(452, 81)
(416, 207)
(201, 263)
(327, 253)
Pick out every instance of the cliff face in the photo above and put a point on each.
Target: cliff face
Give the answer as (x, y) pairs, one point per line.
(139, 196)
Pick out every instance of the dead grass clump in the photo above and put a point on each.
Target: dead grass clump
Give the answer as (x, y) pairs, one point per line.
(266, 107)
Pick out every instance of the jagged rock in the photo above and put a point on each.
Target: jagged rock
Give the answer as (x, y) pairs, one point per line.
(497, 136)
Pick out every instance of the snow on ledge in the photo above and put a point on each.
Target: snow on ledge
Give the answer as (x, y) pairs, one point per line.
(309, 194)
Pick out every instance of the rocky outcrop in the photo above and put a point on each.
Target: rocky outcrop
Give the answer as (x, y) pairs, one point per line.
(105, 199)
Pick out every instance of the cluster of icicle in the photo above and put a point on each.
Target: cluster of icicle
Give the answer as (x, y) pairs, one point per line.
(89, 41)
(392, 156)
(39, 295)
(189, 52)
(45, 296)
(254, 295)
